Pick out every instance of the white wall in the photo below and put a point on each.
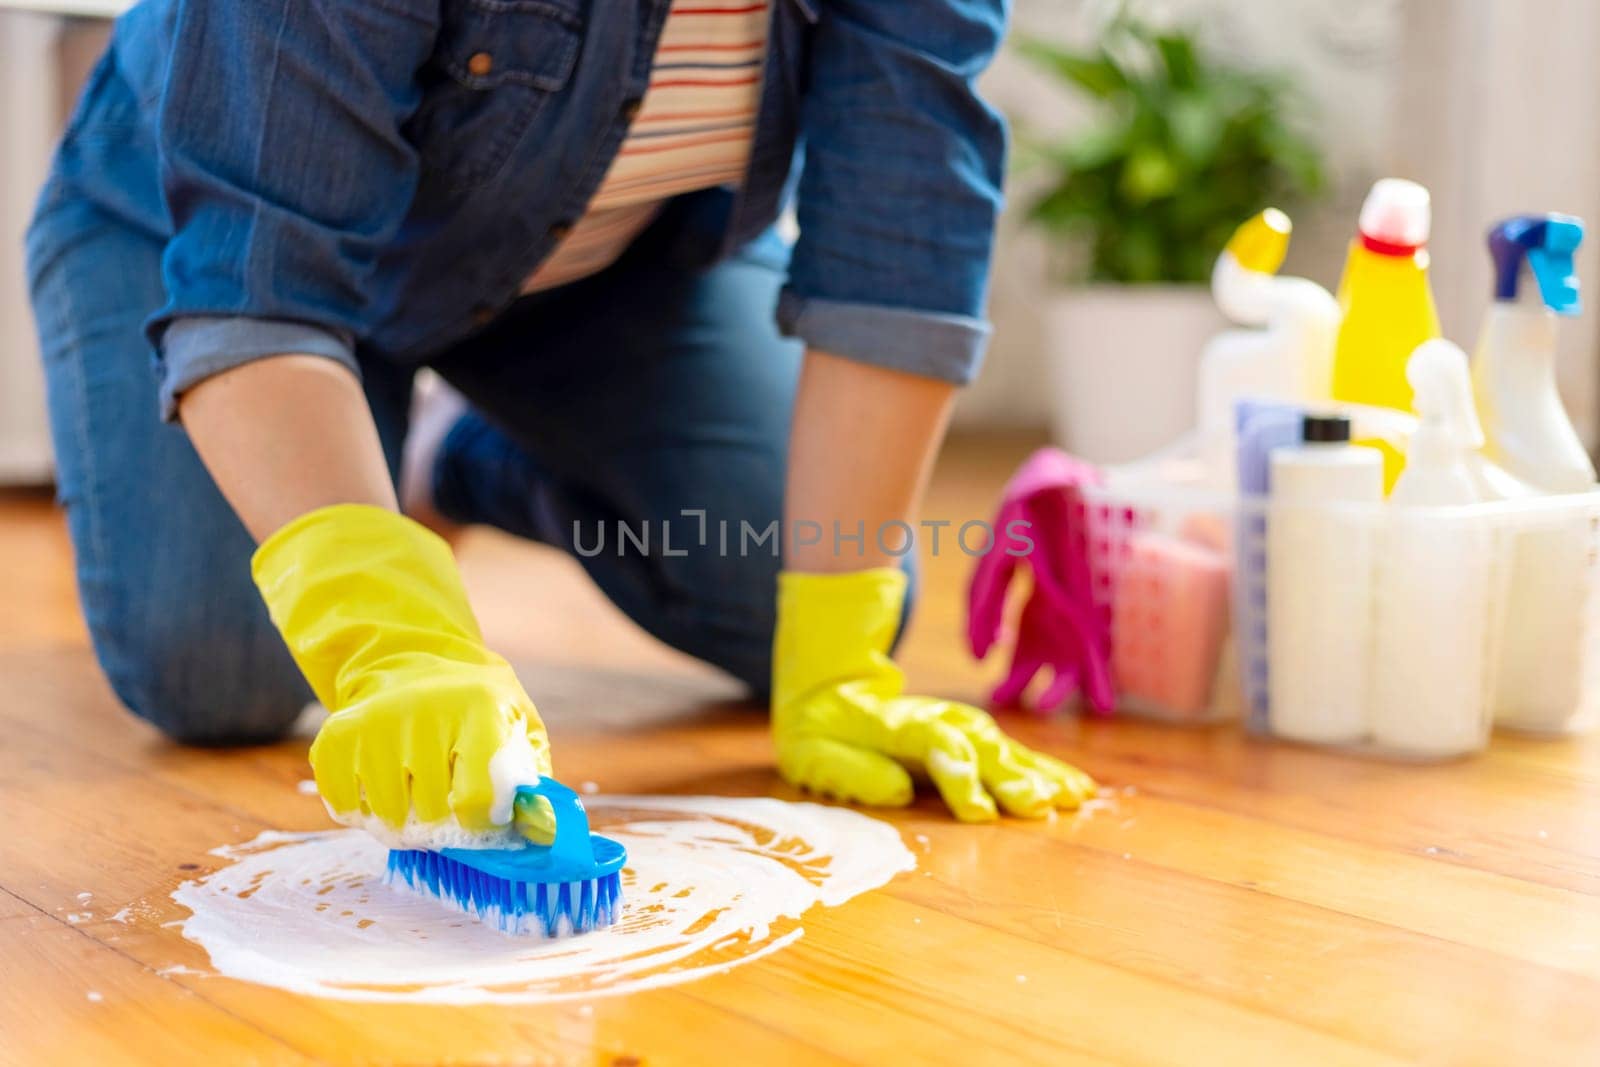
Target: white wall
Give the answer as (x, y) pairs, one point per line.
(28, 121)
(1499, 113)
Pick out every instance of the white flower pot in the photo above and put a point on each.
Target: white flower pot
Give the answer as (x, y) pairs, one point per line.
(1123, 362)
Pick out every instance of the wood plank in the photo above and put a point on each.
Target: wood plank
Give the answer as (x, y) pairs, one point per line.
(60, 797)
(1540, 924)
(36, 570)
(1507, 817)
(67, 998)
(173, 820)
(250, 786)
(1399, 988)
(1230, 900)
(961, 983)
(728, 752)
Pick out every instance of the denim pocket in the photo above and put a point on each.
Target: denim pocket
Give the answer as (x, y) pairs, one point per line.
(496, 65)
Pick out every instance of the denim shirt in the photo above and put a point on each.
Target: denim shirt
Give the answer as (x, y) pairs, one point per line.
(344, 172)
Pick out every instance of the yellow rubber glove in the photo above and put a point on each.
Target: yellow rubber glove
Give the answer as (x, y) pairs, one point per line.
(430, 732)
(844, 728)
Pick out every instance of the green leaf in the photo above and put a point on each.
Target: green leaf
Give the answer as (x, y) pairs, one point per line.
(1140, 252)
(1148, 174)
(1178, 56)
(1095, 74)
(1182, 148)
(1096, 146)
(1197, 126)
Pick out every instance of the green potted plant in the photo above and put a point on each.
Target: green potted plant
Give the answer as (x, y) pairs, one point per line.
(1181, 148)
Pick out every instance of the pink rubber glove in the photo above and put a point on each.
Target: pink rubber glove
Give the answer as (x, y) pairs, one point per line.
(1059, 627)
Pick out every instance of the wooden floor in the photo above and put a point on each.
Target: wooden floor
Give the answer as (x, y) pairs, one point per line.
(1235, 902)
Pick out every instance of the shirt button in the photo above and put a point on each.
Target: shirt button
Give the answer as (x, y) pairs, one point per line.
(479, 64)
(483, 314)
(630, 110)
(558, 231)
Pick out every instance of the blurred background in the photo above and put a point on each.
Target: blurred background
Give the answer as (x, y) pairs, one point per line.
(1492, 104)
(1142, 134)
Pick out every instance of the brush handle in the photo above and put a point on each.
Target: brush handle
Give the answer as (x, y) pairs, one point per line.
(571, 845)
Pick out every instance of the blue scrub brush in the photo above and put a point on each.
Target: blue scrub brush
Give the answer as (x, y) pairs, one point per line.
(571, 886)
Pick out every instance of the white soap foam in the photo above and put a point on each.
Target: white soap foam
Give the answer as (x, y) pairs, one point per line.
(414, 833)
(515, 762)
(711, 882)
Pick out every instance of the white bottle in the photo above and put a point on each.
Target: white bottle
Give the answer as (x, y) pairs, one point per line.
(1320, 541)
(1439, 470)
(1286, 354)
(1541, 678)
(1514, 378)
(1432, 605)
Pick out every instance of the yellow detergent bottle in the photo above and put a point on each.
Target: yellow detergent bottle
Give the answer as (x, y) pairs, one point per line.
(1388, 305)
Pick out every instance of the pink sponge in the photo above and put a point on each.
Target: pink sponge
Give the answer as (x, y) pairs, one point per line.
(1169, 621)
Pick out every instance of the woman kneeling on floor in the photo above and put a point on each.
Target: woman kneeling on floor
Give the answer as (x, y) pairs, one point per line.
(567, 210)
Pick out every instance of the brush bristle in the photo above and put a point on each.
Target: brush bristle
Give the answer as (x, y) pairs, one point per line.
(555, 909)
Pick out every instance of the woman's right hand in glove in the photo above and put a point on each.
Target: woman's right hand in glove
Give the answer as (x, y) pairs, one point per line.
(429, 732)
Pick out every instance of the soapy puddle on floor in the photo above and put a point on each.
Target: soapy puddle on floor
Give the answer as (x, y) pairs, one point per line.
(711, 882)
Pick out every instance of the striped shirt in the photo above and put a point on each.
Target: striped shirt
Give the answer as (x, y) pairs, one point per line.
(693, 131)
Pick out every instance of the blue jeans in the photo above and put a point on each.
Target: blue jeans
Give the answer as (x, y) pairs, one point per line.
(629, 396)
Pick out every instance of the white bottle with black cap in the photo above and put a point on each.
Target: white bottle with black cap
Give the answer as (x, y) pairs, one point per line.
(1320, 553)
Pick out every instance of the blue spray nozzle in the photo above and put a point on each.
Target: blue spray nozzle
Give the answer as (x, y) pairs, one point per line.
(1547, 243)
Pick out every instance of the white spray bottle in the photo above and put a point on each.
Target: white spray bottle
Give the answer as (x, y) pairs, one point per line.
(1513, 374)
(1431, 580)
(1540, 685)
(1285, 355)
(1440, 468)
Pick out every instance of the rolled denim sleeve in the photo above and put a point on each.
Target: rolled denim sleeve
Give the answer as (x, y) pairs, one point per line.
(285, 171)
(900, 187)
(196, 347)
